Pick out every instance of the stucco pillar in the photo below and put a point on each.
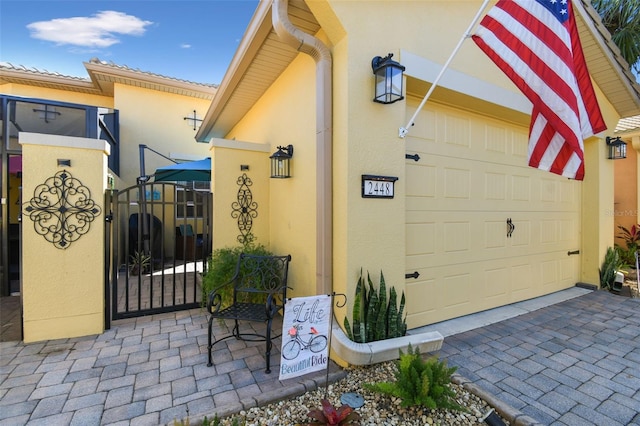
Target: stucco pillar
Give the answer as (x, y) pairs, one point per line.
(597, 209)
(63, 273)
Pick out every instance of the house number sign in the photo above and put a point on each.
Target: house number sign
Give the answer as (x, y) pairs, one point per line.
(378, 186)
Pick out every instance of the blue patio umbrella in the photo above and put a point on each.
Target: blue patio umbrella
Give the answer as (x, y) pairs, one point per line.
(190, 171)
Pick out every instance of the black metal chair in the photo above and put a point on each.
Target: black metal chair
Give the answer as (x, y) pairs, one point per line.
(259, 292)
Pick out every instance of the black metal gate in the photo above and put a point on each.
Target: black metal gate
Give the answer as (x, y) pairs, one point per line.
(157, 244)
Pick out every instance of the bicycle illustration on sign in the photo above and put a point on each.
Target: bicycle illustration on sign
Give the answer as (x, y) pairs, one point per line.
(292, 348)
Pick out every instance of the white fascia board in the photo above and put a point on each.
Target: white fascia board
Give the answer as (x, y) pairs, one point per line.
(427, 70)
(234, 144)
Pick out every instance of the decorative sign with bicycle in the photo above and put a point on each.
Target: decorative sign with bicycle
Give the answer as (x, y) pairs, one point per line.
(305, 332)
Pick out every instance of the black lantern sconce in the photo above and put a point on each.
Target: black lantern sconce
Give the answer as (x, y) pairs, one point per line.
(281, 162)
(617, 148)
(389, 79)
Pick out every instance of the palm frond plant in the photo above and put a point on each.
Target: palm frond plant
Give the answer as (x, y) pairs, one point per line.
(622, 20)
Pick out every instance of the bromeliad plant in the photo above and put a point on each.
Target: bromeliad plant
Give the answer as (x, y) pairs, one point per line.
(373, 317)
(328, 415)
(420, 382)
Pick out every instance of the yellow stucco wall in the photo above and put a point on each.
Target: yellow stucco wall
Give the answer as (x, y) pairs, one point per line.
(63, 289)
(155, 119)
(148, 117)
(369, 234)
(286, 115)
(372, 143)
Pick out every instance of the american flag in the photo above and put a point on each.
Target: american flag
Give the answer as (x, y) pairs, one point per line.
(536, 44)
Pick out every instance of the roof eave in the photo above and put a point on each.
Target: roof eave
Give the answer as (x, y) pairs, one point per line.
(55, 81)
(103, 74)
(619, 68)
(255, 34)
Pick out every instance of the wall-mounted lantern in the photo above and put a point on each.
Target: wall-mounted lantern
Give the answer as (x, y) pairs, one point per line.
(389, 79)
(617, 148)
(281, 162)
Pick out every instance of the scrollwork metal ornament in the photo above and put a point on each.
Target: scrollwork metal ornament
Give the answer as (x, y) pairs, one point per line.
(245, 209)
(61, 209)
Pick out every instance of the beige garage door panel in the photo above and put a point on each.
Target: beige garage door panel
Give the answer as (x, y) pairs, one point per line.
(447, 183)
(449, 291)
(471, 177)
(451, 133)
(457, 238)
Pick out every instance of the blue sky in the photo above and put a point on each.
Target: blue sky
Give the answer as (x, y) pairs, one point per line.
(190, 39)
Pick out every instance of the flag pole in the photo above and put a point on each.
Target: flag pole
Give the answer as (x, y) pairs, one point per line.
(404, 130)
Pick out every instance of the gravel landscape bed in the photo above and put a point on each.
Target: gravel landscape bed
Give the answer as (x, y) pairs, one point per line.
(378, 409)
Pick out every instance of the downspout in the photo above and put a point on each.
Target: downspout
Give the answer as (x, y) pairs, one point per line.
(313, 47)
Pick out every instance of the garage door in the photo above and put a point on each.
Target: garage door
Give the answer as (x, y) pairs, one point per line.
(482, 228)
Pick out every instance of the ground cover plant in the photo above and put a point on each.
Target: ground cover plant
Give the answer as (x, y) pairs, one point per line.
(420, 382)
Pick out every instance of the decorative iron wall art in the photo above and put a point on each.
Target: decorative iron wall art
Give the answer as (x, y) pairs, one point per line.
(245, 209)
(61, 209)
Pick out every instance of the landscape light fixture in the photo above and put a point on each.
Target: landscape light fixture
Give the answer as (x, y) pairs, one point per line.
(389, 76)
(281, 162)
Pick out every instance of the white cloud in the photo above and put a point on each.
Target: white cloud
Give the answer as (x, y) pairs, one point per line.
(99, 30)
(185, 46)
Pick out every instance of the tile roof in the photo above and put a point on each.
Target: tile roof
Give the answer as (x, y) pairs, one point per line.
(34, 70)
(149, 73)
(102, 76)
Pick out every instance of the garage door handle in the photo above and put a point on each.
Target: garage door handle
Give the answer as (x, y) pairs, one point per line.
(413, 275)
(510, 228)
(414, 157)
(569, 253)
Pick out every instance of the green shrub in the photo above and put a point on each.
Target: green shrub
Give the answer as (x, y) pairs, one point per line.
(627, 256)
(373, 317)
(222, 266)
(420, 382)
(610, 265)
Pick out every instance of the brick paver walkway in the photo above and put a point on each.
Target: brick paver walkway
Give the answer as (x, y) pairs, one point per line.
(146, 371)
(573, 363)
(576, 362)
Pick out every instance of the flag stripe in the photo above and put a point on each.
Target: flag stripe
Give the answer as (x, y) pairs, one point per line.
(532, 86)
(528, 45)
(536, 44)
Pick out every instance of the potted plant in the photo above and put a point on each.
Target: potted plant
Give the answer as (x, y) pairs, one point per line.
(140, 262)
(379, 327)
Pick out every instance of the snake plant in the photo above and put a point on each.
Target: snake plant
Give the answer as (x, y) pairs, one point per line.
(375, 318)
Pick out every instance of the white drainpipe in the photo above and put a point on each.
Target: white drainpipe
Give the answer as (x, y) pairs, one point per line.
(313, 47)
